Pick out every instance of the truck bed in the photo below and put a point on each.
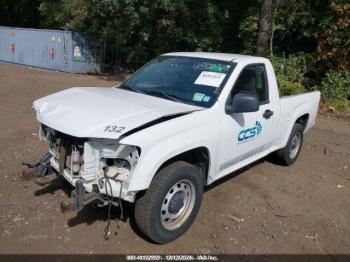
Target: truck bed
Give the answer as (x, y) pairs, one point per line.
(293, 107)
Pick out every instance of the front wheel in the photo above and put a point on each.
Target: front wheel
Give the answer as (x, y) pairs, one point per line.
(171, 203)
(289, 154)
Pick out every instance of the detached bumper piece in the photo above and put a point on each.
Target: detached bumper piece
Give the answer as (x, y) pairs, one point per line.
(81, 198)
(36, 170)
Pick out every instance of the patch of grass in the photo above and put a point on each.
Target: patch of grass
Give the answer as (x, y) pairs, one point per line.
(335, 90)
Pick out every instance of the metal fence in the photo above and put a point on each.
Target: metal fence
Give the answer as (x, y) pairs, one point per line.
(65, 51)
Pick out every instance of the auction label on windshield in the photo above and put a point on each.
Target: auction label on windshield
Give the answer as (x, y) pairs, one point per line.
(210, 79)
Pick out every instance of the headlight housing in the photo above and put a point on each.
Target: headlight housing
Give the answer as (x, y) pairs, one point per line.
(118, 161)
(117, 168)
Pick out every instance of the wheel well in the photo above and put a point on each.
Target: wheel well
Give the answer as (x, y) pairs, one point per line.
(303, 120)
(198, 157)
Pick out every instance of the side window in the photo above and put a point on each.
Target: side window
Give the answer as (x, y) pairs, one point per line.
(252, 79)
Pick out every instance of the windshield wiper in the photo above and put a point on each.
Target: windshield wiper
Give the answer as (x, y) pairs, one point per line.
(132, 89)
(166, 95)
(159, 93)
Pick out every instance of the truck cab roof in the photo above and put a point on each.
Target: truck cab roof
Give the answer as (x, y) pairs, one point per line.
(219, 56)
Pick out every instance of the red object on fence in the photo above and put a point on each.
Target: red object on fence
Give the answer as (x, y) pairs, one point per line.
(52, 53)
(13, 48)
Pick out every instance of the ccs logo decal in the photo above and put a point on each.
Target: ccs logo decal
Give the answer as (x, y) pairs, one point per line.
(250, 133)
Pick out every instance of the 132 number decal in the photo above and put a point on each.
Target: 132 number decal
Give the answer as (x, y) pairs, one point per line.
(114, 129)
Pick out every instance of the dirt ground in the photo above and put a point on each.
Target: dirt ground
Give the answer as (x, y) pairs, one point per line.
(265, 208)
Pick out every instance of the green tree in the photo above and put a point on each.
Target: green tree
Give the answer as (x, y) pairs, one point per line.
(19, 13)
(140, 29)
(333, 49)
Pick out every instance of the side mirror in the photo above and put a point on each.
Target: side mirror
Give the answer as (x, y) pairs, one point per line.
(242, 103)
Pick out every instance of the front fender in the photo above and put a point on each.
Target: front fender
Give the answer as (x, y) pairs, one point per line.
(164, 141)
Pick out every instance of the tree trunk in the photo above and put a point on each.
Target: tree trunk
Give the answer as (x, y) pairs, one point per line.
(272, 31)
(265, 25)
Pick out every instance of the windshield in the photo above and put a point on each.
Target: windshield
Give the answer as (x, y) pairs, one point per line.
(189, 80)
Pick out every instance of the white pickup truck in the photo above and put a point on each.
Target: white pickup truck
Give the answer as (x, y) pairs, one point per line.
(179, 123)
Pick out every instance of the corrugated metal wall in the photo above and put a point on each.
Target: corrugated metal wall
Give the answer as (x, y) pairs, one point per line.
(52, 49)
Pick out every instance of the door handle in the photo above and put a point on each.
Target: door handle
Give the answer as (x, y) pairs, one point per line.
(267, 114)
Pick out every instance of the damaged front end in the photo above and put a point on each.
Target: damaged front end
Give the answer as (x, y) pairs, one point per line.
(99, 169)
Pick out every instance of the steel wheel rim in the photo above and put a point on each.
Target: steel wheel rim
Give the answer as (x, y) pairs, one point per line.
(178, 204)
(295, 145)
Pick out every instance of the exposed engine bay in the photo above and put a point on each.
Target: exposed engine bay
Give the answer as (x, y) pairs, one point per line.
(100, 165)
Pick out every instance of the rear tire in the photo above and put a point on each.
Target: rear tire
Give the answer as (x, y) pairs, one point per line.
(289, 154)
(171, 203)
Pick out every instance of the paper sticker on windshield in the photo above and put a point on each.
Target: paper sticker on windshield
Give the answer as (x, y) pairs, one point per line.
(210, 79)
(198, 97)
(206, 99)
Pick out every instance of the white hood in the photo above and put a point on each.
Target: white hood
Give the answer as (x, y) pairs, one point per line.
(89, 111)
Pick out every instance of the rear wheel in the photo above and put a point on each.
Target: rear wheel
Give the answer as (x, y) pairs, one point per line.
(289, 154)
(171, 203)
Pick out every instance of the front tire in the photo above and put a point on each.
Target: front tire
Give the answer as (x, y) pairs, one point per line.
(171, 203)
(289, 154)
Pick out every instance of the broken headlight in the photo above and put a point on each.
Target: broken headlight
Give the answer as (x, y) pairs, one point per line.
(119, 161)
(117, 169)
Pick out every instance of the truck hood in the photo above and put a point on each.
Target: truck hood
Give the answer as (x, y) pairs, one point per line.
(97, 112)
